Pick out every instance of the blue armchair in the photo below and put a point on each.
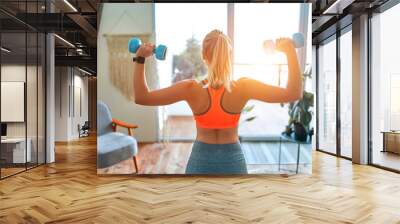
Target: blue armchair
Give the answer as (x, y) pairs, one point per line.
(113, 147)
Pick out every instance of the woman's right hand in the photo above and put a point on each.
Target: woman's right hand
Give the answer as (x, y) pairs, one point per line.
(284, 45)
(145, 50)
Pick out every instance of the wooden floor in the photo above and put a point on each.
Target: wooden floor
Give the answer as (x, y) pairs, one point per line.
(70, 191)
(10, 171)
(387, 159)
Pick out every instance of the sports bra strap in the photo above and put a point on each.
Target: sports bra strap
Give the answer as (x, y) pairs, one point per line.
(216, 92)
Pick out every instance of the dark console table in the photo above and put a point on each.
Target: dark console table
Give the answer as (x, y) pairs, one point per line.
(391, 141)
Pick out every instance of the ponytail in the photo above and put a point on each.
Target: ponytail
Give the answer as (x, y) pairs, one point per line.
(217, 50)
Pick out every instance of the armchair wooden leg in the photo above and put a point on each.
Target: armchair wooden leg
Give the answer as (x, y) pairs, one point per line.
(135, 162)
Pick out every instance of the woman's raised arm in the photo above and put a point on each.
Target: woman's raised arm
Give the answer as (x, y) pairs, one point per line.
(143, 96)
(254, 89)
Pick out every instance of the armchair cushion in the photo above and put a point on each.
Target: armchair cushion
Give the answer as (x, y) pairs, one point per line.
(104, 120)
(113, 148)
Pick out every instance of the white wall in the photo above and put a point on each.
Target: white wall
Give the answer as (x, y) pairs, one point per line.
(61, 104)
(66, 121)
(127, 19)
(12, 73)
(82, 83)
(33, 127)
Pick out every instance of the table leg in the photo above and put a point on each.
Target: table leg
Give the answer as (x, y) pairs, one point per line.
(279, 160)
(384, 142)
(298, 158)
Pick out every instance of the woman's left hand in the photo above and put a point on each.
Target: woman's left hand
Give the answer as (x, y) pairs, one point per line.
(145, 50)
(285, 45)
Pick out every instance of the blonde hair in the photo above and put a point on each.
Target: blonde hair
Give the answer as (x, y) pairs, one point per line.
(217, 51)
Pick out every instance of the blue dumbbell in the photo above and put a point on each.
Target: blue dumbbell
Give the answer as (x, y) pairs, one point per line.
(160, 51)
(298, 40)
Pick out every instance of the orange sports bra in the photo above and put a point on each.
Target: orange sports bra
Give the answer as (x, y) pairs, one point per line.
(216, 117)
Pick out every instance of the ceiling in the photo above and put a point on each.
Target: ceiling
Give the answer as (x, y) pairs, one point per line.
(330, 15)
(74, 21)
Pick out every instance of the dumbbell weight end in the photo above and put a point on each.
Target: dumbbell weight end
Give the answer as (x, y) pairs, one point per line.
(160, 51)
(134, 44)
(298, 40)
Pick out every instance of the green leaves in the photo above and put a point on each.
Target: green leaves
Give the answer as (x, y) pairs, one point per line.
(247, 109)
(300, 111)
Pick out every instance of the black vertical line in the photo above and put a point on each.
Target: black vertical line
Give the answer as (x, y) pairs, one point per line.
(45, 93)
(338, 98)
(369, 89)
(45, 88)
(37, 89)
(317, 96)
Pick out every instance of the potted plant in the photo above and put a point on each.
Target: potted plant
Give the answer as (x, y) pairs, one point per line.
(300, 114)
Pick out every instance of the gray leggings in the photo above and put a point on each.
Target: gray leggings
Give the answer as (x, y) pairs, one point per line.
(216, 159)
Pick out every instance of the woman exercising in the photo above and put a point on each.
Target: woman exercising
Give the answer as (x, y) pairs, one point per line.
(217, 102)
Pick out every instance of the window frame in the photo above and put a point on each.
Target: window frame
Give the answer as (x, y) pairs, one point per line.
(333, 37)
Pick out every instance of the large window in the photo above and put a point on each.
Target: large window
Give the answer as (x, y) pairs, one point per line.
(346, 93)
(327, 96)
(335, 73)
(385, 89)
(250, 60)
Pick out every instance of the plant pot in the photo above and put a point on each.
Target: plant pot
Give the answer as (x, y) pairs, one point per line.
(288, 131)
(300, 133)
